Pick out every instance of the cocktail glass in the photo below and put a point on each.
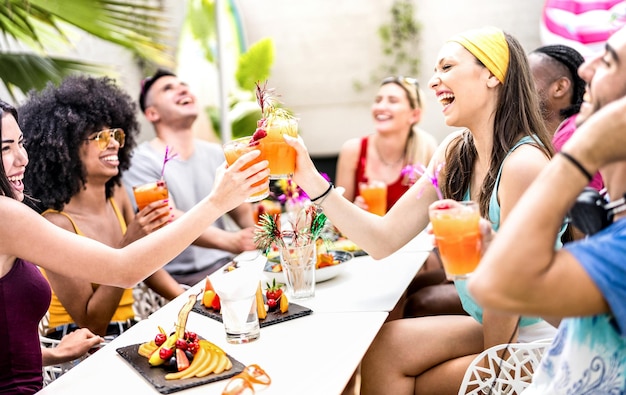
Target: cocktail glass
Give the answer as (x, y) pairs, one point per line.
(281, 156)
(240, 319)
(237, 291)
(298, 263)
(238, 147)
(375, 195)
(150, 192)
(456, 230)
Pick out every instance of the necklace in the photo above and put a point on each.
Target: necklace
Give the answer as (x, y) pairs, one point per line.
(384, 162)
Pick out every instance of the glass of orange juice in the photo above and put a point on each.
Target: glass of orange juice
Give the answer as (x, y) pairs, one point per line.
(265, 207)
(280, 155)
(456, 230)
(150, 192)
(375, 195)
(238, 147)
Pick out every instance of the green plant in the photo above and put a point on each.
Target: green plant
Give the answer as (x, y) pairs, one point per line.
(252, 66)
(43, 25)
(400, 39)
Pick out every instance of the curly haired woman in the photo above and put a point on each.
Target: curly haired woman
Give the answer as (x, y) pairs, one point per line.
(80, 135)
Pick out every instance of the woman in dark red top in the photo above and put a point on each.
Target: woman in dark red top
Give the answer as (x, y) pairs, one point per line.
(25, 294)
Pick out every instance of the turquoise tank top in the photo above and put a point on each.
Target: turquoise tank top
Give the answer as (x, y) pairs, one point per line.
(469, 305)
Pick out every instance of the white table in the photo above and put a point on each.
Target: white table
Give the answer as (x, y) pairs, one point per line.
(316, 354)
(367, 284)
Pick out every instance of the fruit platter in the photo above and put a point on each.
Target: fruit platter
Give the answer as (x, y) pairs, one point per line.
(272, 304)
(180, 359)
(329, 265)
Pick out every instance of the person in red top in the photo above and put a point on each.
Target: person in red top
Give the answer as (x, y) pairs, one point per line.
(397, 143)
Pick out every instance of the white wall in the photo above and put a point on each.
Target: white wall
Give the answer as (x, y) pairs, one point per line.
(323, 45)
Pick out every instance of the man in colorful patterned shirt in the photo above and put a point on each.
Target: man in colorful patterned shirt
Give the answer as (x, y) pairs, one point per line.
(584, 282)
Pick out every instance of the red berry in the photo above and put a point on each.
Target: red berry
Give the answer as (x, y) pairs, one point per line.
(191, 336)
(216, 305)
(273, 291)
(182, 344)
(193, 347)
(166, 353)
(259, 133)
(272, 304)
(160, 338)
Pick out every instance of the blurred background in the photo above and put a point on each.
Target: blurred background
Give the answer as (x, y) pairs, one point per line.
(325, 58)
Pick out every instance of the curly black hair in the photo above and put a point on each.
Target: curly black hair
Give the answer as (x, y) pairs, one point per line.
(56, 122)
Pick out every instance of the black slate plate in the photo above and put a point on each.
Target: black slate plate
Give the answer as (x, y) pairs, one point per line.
(273, 317)
(156, 375)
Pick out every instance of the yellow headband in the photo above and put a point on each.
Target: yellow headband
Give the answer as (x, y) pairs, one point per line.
(489, 46)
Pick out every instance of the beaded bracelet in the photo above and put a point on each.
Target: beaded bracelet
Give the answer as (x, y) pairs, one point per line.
(576, 163)
(323, 195)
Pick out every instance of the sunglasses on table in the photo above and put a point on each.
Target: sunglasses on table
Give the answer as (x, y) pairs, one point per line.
(243, 383)
(410, 85)
(103, 137)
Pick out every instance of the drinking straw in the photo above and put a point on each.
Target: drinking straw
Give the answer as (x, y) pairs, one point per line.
(166, 159)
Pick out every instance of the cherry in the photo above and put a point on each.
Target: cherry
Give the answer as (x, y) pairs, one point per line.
(193, 347)
(182, 344)
(166, 353)
(272, 304)
(160, 339)
(191, 336)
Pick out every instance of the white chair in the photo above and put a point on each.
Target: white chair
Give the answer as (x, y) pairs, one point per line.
(52, 372)
(490, 374)
(146, 301)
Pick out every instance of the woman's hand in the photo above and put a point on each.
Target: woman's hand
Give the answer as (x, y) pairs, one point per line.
(154, 216)
(306, 175)
(487, 234)
(360, 202)
(73, 345)
(233, 184)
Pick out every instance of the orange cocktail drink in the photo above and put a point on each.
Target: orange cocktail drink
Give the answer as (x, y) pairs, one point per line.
(238, 147)
(375, 195)
(280, 155)
(265, 207)
(456, 230)
(150, 192)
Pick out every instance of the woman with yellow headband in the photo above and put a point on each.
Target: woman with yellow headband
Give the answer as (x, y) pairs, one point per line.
(483, 81)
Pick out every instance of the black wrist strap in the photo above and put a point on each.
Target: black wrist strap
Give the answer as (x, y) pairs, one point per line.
(326, 192)
(576, 163)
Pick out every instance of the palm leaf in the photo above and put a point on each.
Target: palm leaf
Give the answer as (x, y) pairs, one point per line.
(136, 24)
(27, 71)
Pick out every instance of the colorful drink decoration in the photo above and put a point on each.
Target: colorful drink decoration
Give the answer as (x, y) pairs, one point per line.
(276, 122)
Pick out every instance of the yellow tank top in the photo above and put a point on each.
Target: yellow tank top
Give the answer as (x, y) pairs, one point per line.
(58, 315)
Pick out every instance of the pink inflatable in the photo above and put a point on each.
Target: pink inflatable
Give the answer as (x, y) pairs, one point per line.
(584, 25)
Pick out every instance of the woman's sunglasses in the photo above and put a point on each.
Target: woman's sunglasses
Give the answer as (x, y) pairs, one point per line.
(410, 85)
(243, 383)
(103, 137)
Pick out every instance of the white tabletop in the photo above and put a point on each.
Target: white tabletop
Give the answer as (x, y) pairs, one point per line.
(316, 354)
(367, 284)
